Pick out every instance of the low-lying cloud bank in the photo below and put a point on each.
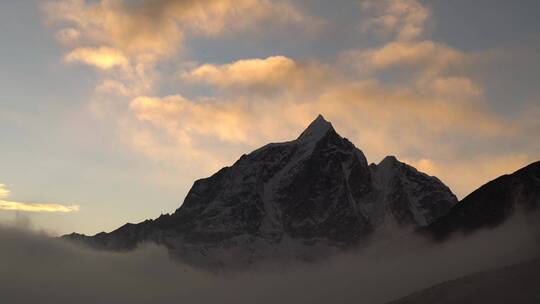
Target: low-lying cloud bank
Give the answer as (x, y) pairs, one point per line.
(37, 268)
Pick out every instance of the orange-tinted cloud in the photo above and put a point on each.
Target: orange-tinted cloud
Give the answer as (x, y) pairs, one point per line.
(403, 18)
(148, 30)
(271, 73)
(380, 119)
(423, 54)
(187, 119)
(136, 35)
(431, 68)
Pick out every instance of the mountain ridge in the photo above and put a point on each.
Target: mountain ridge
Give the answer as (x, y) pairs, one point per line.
(492, 204)
(304, 198)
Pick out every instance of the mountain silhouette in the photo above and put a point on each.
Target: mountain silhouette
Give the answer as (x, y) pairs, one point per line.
(311, 197)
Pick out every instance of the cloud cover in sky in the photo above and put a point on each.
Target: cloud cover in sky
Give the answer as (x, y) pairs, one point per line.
(402, 19)
(408, 94)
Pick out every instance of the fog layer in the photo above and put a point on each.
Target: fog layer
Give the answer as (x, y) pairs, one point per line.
(37, 268)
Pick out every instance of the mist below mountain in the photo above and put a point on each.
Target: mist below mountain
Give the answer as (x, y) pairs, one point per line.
(305, 221)
(38, 268)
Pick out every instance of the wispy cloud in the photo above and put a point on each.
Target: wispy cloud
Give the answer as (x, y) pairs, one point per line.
(404, 19)
(36, 207)
(4, 191)
(31, 207)
(103, 57)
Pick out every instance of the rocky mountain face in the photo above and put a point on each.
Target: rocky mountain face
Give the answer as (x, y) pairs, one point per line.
(493, 203)
(300, 199)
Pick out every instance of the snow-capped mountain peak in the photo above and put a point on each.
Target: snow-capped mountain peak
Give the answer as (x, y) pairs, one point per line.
(290, 199)
(316, 130)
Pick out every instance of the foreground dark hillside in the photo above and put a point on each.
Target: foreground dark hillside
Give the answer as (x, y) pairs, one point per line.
(493, 203)
(517, 284)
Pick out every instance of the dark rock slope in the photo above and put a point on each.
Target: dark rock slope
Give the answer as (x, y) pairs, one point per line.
(516, 284)
(493, 203)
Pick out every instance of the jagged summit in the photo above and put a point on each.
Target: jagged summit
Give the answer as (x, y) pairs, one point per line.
(314, 132)
(317, 129)
(298, 199)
